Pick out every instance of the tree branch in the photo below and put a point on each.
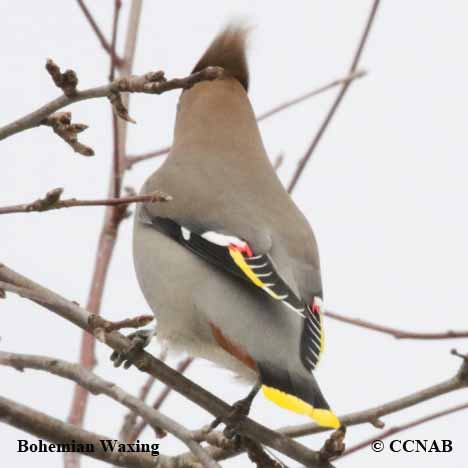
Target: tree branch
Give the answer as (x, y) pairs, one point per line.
(371, 415)
(395, 332)
(149, 364)
(305, 159)
(61, 124)
(98, 386)
(46, 427)
(52, 201)
(131, 160)
(103, 41)
(393, 430)
(140, 427)
(112, 219)
(149, 83)
(115, 25)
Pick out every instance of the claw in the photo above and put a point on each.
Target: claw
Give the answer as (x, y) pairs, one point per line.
(240, 410)
(140, 339)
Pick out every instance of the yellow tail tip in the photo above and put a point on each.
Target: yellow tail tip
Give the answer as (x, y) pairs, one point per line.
(322, 417)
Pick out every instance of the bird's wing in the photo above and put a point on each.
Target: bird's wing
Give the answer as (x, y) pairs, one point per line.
(236, 257)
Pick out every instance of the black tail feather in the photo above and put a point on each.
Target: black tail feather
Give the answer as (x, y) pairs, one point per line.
(304, 386)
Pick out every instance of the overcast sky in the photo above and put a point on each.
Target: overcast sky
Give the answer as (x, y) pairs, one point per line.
(386, 194)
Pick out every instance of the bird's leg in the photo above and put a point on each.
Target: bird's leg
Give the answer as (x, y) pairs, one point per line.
(140, 339)
(240, 409)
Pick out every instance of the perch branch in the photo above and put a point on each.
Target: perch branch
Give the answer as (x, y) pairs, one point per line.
(371, 415)
(182, 366)
(46, 427)
(149, 364)
(108, 236)
(98, 386)
(149, 83)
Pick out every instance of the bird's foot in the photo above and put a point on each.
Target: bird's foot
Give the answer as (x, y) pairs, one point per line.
(140, 339)
(240, 410)
(334, 446)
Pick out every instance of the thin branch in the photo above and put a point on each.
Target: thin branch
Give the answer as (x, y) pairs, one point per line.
(115, 24)
(139, 428)
(393, 430)
(61, 124)
(131, 160)
(46, 427)
(353, 75)
(130, 419)
(371, 415)
(52, 201)
(108, 236)
(305, 159)
(395, 332)
(97, 322)
(98, 386)
(103, 41)
(149, 364)
(149, 83)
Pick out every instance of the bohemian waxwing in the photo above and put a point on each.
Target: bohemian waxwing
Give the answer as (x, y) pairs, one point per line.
(230, 266)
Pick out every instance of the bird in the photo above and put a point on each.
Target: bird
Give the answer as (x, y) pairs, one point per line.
(230, 266)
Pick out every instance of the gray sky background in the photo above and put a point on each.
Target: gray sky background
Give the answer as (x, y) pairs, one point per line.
(386, 194)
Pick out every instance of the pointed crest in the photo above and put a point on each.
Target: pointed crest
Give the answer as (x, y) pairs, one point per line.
(228, 50)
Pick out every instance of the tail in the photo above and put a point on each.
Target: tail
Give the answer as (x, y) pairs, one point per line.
(228, 50)
(297, 393)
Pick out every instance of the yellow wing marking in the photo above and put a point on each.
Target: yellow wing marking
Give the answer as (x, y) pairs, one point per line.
(242, 264)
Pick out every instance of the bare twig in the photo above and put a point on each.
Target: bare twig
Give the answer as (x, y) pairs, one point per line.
(395, 332)
(52, 201)
(371, 415)
(107, 326)
(131, 160)
(353, 75)
(149, 83)
(103, 41)
(131, 418)
(305, 159)
(113, 217)
(149, 364)
(139, 428)
(115, 24)
(46, 427)
(393, 430)
(98, 386)
(61, 125)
